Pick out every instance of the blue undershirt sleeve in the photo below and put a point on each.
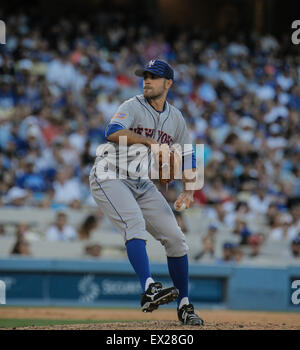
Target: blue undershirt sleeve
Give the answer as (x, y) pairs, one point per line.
(113, 128)
(189, 161)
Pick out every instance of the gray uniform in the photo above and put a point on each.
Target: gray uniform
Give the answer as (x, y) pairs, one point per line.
(135, 206)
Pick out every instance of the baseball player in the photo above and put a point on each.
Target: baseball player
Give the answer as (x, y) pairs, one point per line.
(134, 205)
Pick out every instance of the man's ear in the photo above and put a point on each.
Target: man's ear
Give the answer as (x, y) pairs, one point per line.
(169, 83)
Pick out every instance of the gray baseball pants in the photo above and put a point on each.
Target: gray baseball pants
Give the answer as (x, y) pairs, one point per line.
(136, 207)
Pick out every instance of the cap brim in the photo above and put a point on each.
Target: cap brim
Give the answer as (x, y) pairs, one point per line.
(140, 72)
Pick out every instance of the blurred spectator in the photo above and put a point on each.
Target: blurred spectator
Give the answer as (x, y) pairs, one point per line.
(228, 253)
(295, 214)
(60, 231)
(17, 197)
(217, 214)
(259, 201)
(61, 72)
(66, 189)
(217, 191)
(272, 213)
(93, 250)
(212, 230)
(282, 229)
(238, 255)
(2, 230)
(295, 247)
(243, 212)
(242, 230)
(29, 179)
(255, 243)
(23, 232)
(207, 252)
(86, 228)
(108, 106)
(21, 247)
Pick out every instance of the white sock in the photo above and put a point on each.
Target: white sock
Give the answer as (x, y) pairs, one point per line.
(148, 282)
(183, 301)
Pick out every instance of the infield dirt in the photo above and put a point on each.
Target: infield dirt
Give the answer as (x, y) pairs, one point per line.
(160, 319)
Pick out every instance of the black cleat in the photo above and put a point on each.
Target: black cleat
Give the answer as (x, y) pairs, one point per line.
(156, 295)
(186, 315)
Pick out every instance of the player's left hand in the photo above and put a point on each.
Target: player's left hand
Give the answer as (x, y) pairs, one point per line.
(185, 197)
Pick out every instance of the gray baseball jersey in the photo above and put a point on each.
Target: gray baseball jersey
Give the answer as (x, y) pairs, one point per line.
(135, 206)
(136, 114)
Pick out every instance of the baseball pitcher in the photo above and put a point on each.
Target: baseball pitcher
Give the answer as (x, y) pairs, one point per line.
(132, 202)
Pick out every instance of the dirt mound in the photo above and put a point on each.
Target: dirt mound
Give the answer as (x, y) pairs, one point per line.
(164, 319)
(164, 325)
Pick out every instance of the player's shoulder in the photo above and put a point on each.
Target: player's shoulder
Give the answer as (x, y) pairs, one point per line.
(132, 102)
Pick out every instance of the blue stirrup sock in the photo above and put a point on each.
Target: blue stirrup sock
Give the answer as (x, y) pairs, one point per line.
(137, 255)
(179, 272)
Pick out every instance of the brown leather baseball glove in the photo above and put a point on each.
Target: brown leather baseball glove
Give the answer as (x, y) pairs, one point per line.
(169, 163)
(166, 168)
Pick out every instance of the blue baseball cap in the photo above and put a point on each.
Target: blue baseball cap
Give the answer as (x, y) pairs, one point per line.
(157, 67)
(296, 240)
(228, 245)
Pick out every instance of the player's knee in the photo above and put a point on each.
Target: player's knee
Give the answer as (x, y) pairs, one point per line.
(176, 246)
(140, 234)
(135, 229)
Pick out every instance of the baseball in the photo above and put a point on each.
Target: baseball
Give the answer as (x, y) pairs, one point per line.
(181, 208)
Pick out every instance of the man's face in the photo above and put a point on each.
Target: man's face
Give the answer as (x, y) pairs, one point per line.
(227, 253)
(295, 250)
(154, 86)
(61, 220)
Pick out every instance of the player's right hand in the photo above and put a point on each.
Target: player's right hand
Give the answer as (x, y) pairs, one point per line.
(185, 197)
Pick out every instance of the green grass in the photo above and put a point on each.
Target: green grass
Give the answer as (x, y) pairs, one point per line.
(12, 323)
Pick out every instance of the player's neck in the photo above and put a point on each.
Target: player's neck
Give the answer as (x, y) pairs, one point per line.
(157, 103)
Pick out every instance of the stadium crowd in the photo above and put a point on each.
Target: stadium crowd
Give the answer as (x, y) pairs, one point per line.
(240, 97)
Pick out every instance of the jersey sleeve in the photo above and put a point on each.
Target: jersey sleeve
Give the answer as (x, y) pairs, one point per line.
(184, 140)
(122, 119)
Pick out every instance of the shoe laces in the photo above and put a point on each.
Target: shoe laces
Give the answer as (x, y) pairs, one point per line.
(155, 288)
(187, 310)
